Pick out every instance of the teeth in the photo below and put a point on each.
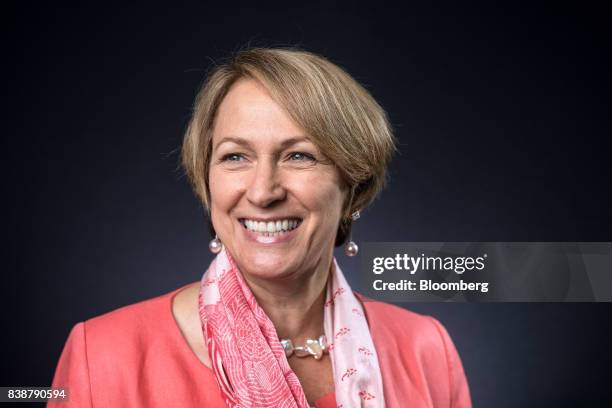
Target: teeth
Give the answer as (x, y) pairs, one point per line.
(270, 227)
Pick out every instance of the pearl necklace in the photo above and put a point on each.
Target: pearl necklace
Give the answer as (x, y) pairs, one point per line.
(314, 348)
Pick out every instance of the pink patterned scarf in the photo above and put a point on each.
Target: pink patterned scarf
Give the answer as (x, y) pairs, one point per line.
(249, 361)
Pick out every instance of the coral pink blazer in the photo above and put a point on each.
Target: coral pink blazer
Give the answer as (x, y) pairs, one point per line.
(136, 356)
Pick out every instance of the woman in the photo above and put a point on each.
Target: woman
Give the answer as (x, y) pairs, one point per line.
(284, 149)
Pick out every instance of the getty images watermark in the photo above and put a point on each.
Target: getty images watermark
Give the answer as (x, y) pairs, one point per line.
(414, 264)
(487, 271)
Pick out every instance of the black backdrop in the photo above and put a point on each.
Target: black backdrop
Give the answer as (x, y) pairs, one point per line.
(503, 115)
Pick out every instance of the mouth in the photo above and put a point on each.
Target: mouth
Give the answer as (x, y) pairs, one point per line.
(270, 228)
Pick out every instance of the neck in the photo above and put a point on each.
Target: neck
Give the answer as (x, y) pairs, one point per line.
(295, 305)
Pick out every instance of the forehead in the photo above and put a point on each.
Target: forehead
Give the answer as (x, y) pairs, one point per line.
(249, 112)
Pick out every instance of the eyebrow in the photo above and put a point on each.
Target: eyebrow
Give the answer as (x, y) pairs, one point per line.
(243, 142)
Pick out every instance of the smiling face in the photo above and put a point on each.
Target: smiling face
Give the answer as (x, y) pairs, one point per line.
(275, 199)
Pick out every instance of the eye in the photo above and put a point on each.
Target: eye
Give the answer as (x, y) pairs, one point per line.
(301, 156)
(232, 157)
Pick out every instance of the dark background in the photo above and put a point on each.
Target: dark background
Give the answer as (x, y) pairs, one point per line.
(503, 115)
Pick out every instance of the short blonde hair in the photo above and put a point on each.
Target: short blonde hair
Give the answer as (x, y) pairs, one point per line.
(340, 116)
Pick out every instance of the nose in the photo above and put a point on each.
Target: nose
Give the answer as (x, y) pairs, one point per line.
(266, 185)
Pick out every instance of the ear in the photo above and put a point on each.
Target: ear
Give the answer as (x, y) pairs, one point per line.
(349, 196)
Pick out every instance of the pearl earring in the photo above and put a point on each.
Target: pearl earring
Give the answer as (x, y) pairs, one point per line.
(215, 245)
(351, 248)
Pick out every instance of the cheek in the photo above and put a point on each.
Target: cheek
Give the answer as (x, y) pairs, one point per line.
(322, 193)
(224, 190)
(224, 194)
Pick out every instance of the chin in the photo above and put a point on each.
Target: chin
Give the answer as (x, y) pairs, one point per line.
(266, 265)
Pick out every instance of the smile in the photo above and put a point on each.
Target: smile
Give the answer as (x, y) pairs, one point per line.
(271, 228)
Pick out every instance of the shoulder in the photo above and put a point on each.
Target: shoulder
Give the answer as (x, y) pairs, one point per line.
(143, 317)
(118, 358)
(131, 333)
(116, 351)
(413, 336)
(412, 346)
